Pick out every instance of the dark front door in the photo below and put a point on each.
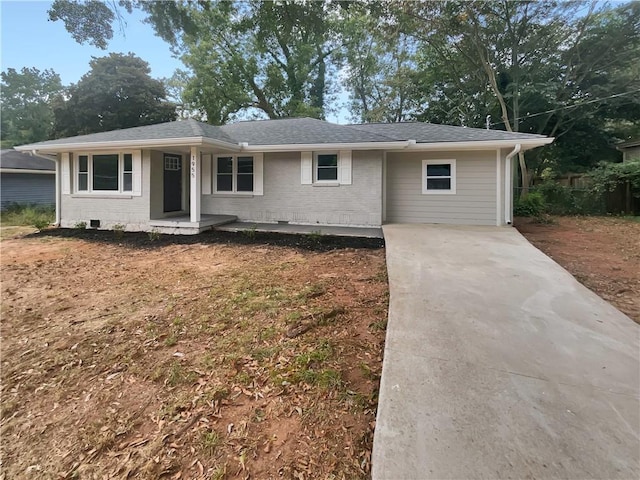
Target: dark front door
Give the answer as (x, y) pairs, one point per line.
(172, 183)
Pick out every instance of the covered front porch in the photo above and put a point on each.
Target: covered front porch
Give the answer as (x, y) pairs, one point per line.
(177, 184)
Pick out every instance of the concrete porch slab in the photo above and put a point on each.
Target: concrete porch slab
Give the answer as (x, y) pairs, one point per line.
(362, 232)
(182, 224)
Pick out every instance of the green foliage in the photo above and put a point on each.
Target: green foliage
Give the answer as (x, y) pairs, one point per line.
(26, 98)
(609, 176)
(154, 235)
(565, 200)
(33, 215)
(87, 22)
(80, 226)
(116, 93)
(118, 230)
(529, 205)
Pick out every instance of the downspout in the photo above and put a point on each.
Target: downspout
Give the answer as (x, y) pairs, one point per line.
(508, 185)
(58, 186)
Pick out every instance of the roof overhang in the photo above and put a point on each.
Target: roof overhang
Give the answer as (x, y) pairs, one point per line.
(129, 144)
(244, 147)
(526, 144)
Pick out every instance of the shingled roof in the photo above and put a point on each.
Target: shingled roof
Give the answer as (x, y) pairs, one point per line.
(292, 131)
(298, 131)
(9, 158)
(436, 133)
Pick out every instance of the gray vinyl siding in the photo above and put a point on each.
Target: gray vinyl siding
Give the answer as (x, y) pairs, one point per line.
(27, 189)
(130, 211)
(474, 202)
(286, 199)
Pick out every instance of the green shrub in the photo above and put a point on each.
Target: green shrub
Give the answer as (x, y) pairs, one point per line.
(35, 215)
(80, 225)
(530, 205)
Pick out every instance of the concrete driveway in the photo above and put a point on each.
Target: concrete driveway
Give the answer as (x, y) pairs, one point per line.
(498, 364)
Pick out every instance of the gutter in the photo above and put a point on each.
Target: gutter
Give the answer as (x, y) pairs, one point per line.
(304, 147)
(127, 145)
(508, 183)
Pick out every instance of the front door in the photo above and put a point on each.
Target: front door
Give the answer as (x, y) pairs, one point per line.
(172, 183)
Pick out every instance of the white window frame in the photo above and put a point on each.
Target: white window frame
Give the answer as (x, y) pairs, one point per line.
(452, 177)
(234, 175)
(316, 166)
(121, 173)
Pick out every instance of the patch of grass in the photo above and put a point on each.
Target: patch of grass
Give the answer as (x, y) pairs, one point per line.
(177, 374)
(379, 325)
(171, 340)
(80, 225)
(28, 215)
(210, 440)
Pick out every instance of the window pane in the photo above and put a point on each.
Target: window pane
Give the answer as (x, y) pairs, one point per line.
(225, 165)
(128, 162)
(224, 183)
(245, 164)
(438, 184)
(327, 173)
(84, 163)
(126, 182)
(82, 181)
(105, 172)
(328, 160)
(439, 170)
(245, 183)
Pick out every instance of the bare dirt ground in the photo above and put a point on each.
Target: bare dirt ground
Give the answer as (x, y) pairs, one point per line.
(603, 253)
(148, 358)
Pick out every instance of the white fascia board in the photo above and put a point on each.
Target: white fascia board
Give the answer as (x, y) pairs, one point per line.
(305, 147)
(479, 145)
(26, 170)
(128, 144)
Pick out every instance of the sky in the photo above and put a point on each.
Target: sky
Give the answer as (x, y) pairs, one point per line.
(29, 39)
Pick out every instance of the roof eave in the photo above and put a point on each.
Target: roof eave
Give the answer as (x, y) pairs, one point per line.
(526, 144)
(127, 144)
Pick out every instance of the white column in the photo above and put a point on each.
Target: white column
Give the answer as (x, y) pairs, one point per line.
(58, 190)
(195, 180)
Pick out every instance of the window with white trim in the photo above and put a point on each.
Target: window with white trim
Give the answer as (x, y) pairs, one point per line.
(439, 176)
(234, 174)
(325, 167)
(105, 172)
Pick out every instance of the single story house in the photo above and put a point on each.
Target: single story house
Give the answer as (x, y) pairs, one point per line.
(26, 180)
(180, 177)
(630, 150)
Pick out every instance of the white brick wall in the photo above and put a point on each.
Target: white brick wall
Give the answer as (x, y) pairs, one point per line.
(287, 199)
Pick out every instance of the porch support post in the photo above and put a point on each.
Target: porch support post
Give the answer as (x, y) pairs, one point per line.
(195, 184)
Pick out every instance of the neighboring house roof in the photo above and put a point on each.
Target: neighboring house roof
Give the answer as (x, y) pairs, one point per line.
(432, 132)
(628, 144)
(11, 160)
(289, 134)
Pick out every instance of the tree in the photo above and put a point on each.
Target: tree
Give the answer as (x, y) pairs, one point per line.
(116, 93)
(381, 71)
(538, 66)
(273, 58)
(26, 97)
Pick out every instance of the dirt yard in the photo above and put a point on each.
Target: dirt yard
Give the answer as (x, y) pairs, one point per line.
(603, 253)
(138, 357)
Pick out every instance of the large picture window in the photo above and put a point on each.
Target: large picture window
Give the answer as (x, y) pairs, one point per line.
(108, 172)
(234, 174)
(438, 176)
